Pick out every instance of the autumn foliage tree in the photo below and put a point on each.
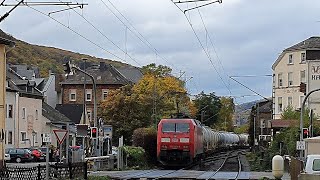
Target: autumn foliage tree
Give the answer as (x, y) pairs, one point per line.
(157, 95)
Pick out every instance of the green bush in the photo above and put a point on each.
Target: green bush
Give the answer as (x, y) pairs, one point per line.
(135, 157)
(147, 139)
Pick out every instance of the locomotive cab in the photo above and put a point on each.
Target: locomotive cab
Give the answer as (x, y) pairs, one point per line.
(175, 144)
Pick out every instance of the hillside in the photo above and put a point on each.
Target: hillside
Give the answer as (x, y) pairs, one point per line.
(46, 57)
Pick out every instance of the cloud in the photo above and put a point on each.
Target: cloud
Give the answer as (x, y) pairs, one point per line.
(247, 36)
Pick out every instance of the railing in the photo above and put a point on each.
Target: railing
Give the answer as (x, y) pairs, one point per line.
(101, 163)
(56, 171)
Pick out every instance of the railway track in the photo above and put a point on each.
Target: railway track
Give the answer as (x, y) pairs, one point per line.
(230, 163)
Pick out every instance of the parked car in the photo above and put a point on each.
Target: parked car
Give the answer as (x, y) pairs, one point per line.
(37, 154)
(7, 155)
(20, 155)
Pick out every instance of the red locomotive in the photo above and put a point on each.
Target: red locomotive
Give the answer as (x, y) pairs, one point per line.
(181, 141)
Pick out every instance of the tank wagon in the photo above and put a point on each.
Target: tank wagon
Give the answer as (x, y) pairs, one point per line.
(182, 141)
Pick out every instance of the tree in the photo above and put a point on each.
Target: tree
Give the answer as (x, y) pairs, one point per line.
(143, 105)
(225, 120)
(125, 111)
(209, 106)
(242, 129)
(159, 71)
(290, 114)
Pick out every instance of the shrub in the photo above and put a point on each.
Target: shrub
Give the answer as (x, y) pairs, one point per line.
(147, 139)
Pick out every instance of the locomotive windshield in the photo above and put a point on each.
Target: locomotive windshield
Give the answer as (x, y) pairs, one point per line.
(175, 127)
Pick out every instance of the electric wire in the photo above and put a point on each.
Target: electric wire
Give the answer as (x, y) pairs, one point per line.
(77, 33)
(201, 44)
(142, 38)
(92, 25)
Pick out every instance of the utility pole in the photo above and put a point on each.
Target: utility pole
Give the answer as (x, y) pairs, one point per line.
(301, 117)
(68, 70)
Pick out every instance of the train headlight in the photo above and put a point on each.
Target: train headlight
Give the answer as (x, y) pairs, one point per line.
(165, 139)
(184, 140)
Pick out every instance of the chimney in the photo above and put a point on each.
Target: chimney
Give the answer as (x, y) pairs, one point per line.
(103, 66)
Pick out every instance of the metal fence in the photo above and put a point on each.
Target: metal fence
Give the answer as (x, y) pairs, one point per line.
(56, 171)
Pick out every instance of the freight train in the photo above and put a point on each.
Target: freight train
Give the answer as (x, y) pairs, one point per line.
(183, 141)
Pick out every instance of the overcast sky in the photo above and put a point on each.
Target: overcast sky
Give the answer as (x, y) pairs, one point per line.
(247, 36)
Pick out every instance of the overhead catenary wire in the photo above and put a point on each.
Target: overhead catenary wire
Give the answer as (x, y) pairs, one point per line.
(211, 42)
(77, 33)
(92, 25)
(139, 35)
(202, 46)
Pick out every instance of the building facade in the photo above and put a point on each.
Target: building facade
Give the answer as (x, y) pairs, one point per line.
(106, 77)
(289, 71)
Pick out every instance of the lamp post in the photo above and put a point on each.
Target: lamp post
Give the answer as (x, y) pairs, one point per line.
(68, 70)
(33, 134)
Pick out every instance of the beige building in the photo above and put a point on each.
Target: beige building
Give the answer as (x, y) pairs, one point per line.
(291, 69)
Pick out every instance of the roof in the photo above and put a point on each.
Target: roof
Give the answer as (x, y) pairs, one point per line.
(53, 115)
(24, 85)
(265, 106)
(107, 74)
(133, 74)
(26, 71)
(312, 43)
(281, 123)
(6, 42)
(72, 111)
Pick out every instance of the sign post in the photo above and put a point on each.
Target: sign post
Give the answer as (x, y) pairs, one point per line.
(301, 145)
(61, 136)
(47, 139)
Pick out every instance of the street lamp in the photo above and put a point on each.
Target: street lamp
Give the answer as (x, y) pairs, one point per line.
(33, 134)
(68, 69)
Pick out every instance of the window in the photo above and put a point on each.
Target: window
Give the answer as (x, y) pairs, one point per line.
(316, 165)
(175, 127)
(104, 94)
(37, 114)
(23, 136)
(280, 104)
(10, 137)
(290, 101)
(10, 111)
(89, 112)
(262, 123)
(23, 113)
(72, 95)
(303, 76)
(280, 79)
(290, 78)
(273, 79)
(303, 57)
(88, 94)
(290, 59)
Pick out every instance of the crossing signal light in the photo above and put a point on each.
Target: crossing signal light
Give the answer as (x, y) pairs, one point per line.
(305, 133)
(94, 132)
(68, 68)
(303, 88)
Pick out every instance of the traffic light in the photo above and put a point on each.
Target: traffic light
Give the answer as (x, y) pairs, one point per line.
(303, 88)
(68, 68)
(94, 132)
(305, 133)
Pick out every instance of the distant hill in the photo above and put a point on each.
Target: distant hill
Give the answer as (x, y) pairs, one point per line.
(245, 106)
(46, 58)
(242, 112)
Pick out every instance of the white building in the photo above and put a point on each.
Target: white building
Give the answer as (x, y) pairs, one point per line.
(289, 71)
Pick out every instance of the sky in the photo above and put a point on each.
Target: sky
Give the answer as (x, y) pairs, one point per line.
(205, 46)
